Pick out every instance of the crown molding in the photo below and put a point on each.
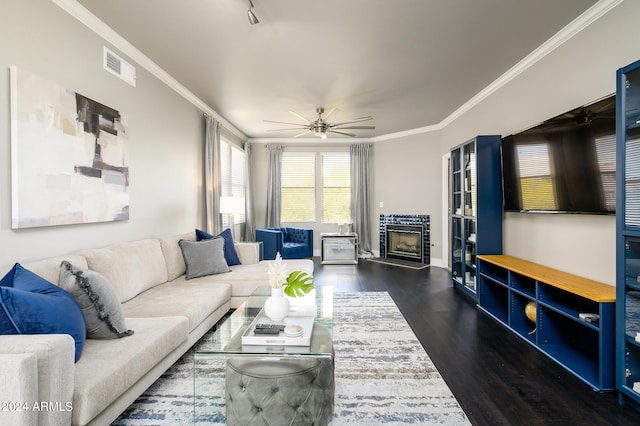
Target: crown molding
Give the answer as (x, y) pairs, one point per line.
(589, 16)
(82, 14)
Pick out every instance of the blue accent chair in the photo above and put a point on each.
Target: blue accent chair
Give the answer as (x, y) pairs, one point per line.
(291, 243)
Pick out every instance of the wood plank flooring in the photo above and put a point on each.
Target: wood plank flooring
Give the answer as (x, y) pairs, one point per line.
(498, 378)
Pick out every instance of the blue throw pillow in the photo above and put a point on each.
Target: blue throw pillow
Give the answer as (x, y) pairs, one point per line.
(230, 254)
(29, 304)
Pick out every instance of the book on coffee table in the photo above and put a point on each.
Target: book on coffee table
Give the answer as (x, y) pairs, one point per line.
(297, 332)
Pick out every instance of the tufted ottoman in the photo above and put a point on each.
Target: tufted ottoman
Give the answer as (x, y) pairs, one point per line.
(279, 391)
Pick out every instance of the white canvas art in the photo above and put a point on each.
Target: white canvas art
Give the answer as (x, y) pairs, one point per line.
(68, 156)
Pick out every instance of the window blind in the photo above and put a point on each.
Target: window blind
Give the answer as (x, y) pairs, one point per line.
(298, 187)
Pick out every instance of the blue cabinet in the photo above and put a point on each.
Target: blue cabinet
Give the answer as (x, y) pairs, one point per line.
(476, 207)
(569, 318)
(628, 234)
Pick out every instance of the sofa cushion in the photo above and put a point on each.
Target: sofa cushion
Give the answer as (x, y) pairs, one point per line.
(131, 267)
(49, 269)
(29, 304)
(110, 367)
(230, 254)
(173, 254)
(195, 298)
(204, 257)
(97, 299)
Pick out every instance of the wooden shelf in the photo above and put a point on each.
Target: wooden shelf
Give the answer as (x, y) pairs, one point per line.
(506, 284)
(583, 287)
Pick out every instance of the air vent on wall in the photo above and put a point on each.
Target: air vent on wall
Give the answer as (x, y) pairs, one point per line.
(115, 65)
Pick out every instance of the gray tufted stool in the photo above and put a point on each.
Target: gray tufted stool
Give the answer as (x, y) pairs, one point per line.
(286, 391)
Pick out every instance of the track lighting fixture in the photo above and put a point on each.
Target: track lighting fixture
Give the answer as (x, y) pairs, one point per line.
(253, 19)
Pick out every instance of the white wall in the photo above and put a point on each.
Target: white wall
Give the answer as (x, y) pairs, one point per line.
(408, 180)
(578, 72)
(165, 134)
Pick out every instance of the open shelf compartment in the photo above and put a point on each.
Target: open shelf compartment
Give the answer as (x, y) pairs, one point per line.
(518, 320)
(571, 344)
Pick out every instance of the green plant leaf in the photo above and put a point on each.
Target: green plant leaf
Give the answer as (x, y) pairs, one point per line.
(298, 284)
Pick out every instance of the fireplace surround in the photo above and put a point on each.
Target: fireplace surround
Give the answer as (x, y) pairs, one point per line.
(405, 237)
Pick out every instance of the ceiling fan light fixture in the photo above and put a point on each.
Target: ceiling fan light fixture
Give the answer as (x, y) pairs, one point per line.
(253, 19)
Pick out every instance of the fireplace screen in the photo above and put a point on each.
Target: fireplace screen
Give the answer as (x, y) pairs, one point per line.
(404, 242)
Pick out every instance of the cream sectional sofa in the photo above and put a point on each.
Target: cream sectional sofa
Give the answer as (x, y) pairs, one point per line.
(167, 313)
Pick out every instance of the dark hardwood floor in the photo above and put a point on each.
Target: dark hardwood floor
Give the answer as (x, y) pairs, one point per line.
(498, 378)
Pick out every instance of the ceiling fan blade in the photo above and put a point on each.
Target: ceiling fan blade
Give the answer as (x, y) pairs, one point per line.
(355, 128)
(342, 133)
(334, 109)
(355, 120)
(300, 116)
(291, 128)
(284, 122)
(302, 134)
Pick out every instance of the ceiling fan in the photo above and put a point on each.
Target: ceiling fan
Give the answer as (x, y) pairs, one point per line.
(320, 127)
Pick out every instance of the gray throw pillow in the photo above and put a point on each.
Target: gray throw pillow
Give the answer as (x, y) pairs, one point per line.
(204, 257)
(98, 302)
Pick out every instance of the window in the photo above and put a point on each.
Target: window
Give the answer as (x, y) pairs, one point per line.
(316, 185)
(298, 187)
(336, 187)
(606, 155)
(232, 176)
(536, 183)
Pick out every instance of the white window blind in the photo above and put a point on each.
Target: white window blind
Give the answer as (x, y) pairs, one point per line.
(536, 183)
(336, 187)
(606, 154)
(298, 187)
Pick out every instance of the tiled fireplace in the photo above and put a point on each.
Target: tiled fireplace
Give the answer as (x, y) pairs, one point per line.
(405, 237)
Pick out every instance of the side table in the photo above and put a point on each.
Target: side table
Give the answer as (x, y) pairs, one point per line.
(339, 248)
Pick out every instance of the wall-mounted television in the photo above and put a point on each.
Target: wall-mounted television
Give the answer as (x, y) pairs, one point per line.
(566, 164)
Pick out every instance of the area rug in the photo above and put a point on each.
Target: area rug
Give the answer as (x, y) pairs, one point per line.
(383, 376)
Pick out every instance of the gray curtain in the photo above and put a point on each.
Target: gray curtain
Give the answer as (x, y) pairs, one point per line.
(212, 179)
(361, 155)
(274, 201)
(249, 228)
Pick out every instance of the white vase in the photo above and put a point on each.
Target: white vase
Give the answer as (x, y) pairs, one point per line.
(276, 307)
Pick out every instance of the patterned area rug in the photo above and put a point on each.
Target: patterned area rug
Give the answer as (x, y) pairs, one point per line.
(382, 376)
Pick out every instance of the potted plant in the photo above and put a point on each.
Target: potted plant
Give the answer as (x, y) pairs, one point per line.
(294, 284)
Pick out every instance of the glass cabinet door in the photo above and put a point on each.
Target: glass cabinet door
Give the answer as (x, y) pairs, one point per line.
(457, 269)
(463, 221)
(456, 182)
(632, 150)
(470, 180)
(632, 313)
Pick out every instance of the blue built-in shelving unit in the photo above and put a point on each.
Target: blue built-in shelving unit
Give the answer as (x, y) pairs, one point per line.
(628, 234)
(507, 284)
(476, 207)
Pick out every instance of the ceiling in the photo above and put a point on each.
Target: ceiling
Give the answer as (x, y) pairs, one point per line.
(408, 63)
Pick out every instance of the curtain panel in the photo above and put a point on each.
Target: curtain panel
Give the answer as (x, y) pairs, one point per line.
(274, 199)
(361, 157)
(212, 177)
(249, 227)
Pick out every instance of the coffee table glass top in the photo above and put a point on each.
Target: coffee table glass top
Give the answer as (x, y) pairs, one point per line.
(226, 339)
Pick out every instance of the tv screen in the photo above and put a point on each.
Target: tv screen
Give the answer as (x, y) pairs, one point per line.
(563, 165)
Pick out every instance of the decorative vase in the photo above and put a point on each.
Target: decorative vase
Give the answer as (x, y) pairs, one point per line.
(276, 307)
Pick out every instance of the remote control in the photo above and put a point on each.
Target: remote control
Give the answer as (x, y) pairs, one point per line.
(270, 327)
(266, 331)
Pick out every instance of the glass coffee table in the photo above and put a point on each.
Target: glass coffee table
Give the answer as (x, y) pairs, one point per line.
(222, 348)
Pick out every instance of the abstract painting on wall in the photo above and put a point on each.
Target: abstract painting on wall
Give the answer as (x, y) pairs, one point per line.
(68, 156)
